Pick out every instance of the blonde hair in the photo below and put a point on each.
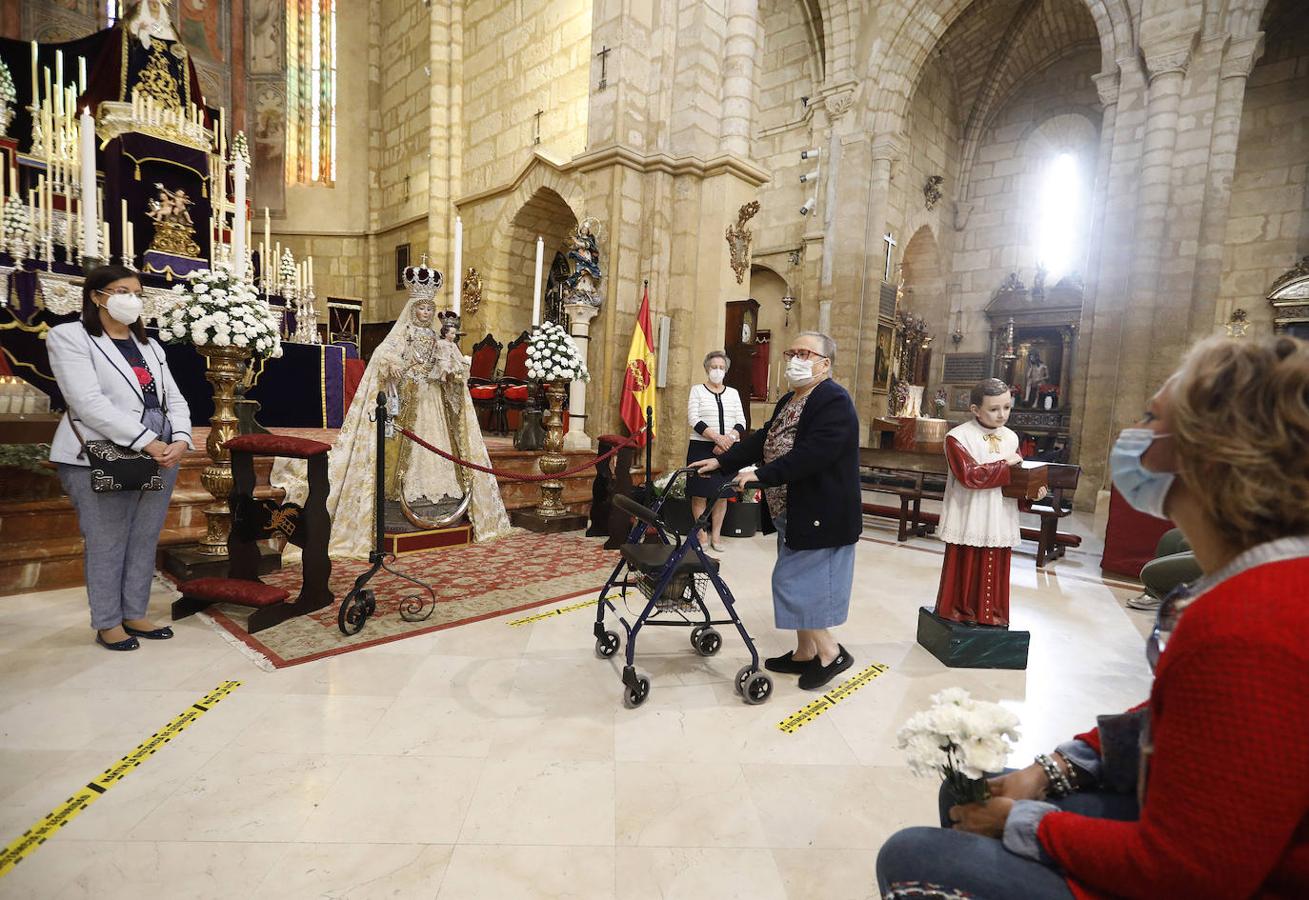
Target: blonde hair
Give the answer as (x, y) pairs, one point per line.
(1239, 413)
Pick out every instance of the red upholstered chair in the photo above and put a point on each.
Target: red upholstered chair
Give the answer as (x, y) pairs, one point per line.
(481, 378)
(514, 389)
(253, 520)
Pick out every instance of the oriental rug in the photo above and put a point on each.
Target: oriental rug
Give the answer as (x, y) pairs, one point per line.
(472, 583)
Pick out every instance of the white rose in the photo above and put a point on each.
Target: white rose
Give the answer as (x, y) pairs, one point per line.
(241, 340)
(200, 287)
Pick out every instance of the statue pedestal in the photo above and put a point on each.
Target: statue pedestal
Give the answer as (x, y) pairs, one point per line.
(580, 315)
(962, 646)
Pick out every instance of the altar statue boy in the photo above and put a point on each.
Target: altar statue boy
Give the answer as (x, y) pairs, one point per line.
(979, 524)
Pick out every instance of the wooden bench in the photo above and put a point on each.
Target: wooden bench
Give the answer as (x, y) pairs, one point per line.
(912, 478)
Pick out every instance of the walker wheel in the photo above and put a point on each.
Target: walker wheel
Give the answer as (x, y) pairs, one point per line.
(634, 697)
(695, 636)
(607, 646)
(354, 612)
(758, 688)
(743, 674)
(709, 642)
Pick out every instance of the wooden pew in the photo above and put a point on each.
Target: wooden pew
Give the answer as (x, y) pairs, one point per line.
(912, 471)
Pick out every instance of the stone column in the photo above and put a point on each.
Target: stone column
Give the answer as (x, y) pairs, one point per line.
(580, 316)
(885, 152)
(1166, 62)
(738, 75)
(1238, 60)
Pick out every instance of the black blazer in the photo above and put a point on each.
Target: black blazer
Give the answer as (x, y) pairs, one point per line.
(824, 503)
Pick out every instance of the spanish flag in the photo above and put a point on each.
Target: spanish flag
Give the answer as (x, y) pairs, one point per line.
(638, 380)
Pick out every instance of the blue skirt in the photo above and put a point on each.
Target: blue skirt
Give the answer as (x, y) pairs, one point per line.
(811, 588)
(709, 485)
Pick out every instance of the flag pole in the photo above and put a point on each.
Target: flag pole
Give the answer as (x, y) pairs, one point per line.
(649, 415)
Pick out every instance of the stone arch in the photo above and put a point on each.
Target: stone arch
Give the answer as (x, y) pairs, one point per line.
(507, 299)
(1068, 129)
(925, 280)
(895, 61)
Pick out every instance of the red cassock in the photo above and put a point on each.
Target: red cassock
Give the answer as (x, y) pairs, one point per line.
(975, 580)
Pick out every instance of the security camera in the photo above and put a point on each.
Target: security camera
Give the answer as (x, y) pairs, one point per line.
(809, 176)
(809, 206)
(810, 154)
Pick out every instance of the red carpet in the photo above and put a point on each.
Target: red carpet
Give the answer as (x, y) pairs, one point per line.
(472, 583)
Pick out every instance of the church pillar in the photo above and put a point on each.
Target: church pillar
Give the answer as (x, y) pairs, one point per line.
(1238, 60)
(580, 316)
(742, 47)
(1166, 62)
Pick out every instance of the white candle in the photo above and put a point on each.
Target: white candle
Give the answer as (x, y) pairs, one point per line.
(268, 240)
(239, 168)
(309, 272)
(536, 288)
(90, 226)
(59, 83)
(35, 93)
(81, 74)
(459, 265)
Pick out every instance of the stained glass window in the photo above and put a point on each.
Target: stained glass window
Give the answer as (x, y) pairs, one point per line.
(311, 91)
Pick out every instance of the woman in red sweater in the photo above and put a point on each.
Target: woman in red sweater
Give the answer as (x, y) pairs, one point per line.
(1201, 791)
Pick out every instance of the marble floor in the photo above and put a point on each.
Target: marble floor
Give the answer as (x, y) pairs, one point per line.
(496, 761)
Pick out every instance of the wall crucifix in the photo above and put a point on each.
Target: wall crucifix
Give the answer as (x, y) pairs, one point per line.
(604, 68)
(890, 254)
(536, 137)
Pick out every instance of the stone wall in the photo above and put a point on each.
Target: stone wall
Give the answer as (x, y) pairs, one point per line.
(1268, 230)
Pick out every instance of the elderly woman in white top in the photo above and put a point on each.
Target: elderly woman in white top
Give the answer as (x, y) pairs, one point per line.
(717, 420)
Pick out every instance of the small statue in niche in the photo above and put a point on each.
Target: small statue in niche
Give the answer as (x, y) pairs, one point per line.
(174, 229)
(1038, 282)
(582, 284)
(1037, 374)
(1012, 283)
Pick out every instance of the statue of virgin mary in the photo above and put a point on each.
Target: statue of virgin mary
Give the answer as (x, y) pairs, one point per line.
(425, 379)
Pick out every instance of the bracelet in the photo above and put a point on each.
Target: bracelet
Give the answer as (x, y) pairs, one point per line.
(1060, 786)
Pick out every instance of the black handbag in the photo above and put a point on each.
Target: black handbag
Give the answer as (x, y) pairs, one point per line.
(115, 468)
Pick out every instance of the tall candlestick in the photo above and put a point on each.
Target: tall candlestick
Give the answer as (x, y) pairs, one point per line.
(122, 235)
(536, 287)
(239, 168)
(459, 265)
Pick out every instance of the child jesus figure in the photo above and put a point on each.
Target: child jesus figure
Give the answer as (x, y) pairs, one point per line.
(978, 523)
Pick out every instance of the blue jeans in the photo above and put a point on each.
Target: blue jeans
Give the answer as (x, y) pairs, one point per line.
(957, 864)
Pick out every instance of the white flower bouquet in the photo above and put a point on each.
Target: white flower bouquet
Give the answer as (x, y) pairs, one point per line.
(959, 739)
(552, 355)
(213, 308)
(18, 228)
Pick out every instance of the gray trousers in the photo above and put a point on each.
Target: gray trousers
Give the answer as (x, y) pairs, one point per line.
(121, 533)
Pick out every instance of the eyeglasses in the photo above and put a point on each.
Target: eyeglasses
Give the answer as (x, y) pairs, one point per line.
(802, 354)
(121, 292)
(1170, 611)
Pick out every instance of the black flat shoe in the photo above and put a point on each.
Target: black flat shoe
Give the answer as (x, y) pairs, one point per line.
(787, 664)
(130, 644)
(816, 674)
(155, 634)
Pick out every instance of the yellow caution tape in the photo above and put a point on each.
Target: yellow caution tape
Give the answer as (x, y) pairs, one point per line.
(793, 723)
(71, 808)
(554, 612)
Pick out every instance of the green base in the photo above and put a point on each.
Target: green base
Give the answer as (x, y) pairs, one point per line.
(962, 646)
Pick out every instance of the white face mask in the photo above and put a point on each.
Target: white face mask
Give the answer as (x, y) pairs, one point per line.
(717, 375)
(125, 308)
(799, 371)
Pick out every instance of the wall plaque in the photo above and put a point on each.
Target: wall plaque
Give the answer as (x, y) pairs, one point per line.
(965, 368)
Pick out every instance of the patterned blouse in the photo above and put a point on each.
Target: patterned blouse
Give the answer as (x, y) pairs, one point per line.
(778, 442)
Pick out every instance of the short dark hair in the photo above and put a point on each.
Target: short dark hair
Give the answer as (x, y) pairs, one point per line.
(987, 387)
(98, 280)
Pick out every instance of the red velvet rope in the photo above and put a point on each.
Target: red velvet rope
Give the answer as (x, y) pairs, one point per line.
(519, 476)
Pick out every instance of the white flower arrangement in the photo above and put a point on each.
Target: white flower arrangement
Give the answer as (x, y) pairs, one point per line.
(678, 491)
(552, 355)
(960, 740)
(287, 269)
(18, 227)
(214, 308)
(8, 93)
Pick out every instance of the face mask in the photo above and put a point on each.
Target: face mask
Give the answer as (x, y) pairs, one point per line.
(717, 375)
(125, 308)
(1143, 489)
(799, 371)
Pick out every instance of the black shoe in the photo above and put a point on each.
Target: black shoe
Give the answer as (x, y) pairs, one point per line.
(155, 634)
(130, 644)
(787, 664)
(816, 674)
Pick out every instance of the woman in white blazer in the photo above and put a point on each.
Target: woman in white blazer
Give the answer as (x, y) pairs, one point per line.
(713, 410)
(117, 387)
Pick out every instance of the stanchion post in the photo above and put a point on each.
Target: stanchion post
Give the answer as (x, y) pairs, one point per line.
(379, 490)
(649, 442)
